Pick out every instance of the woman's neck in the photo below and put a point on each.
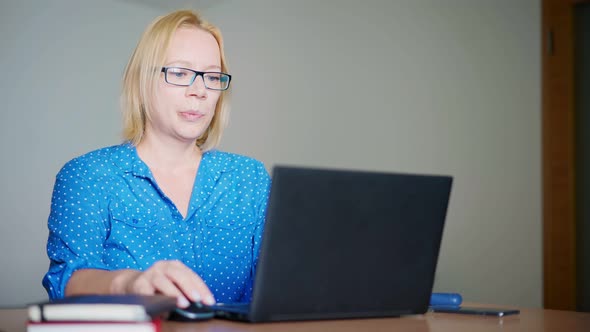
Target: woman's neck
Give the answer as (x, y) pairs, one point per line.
(168, 155)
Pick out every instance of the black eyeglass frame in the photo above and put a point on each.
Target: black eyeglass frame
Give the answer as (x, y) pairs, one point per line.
(197, 74)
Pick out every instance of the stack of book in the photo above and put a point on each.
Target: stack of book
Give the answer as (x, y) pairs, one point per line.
(113, 313)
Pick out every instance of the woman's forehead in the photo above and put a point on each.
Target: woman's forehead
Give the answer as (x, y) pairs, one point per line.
(195, 47)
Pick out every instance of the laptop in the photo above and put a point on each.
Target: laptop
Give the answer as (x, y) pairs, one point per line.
(346, 244)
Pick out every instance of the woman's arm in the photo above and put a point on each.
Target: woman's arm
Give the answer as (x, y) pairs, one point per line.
(171, 278)
(95, 281)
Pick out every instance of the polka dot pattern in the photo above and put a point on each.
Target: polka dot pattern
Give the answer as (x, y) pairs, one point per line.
(107, 212)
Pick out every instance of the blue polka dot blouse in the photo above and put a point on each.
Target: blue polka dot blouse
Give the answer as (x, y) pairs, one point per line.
(107, 212)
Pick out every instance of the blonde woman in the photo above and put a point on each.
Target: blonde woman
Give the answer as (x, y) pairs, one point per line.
(164, 212)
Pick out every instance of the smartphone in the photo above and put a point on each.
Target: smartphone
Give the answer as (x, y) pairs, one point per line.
(498, 312)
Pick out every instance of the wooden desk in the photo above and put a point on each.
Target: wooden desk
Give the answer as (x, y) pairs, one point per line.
(13, 320)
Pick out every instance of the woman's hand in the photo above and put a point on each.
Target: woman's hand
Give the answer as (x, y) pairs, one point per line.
(171, 278)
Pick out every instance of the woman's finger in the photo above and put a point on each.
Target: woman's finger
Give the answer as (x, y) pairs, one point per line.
(164, 285)
(189, 283)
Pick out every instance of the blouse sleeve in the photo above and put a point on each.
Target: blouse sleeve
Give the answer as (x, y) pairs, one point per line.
(76, 230)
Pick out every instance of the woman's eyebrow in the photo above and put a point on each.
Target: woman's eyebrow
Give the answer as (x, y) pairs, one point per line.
(213, 67)
(187, 64)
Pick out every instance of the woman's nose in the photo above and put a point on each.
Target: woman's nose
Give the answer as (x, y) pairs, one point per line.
(197, 88)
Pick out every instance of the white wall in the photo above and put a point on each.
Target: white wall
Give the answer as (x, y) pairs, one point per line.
(61, 65)
(430, 86)
(449, 87)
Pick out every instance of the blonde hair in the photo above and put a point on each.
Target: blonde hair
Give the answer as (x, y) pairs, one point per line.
(140, 78)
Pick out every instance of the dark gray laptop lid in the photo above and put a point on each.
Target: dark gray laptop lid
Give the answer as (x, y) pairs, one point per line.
(343, 244)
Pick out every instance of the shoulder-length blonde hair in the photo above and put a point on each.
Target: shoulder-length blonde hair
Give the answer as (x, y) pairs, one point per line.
(142, 74)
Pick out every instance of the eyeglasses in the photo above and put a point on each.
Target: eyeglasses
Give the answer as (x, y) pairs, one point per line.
(186, 77)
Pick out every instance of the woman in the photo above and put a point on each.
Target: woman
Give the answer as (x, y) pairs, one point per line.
(164, 212)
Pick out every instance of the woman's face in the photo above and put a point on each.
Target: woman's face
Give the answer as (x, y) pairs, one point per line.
(185, 112)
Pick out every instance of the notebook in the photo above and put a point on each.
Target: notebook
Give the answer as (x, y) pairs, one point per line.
(89, 313)
(101, 308)
(346, 244)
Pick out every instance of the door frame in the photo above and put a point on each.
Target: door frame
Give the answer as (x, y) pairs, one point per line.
(558, 161)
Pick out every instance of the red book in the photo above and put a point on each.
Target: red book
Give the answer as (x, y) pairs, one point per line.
(150, 326)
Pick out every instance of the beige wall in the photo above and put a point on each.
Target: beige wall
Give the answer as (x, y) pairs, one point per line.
(429, 86)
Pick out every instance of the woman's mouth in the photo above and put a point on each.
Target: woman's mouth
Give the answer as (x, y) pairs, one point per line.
(191, 115)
